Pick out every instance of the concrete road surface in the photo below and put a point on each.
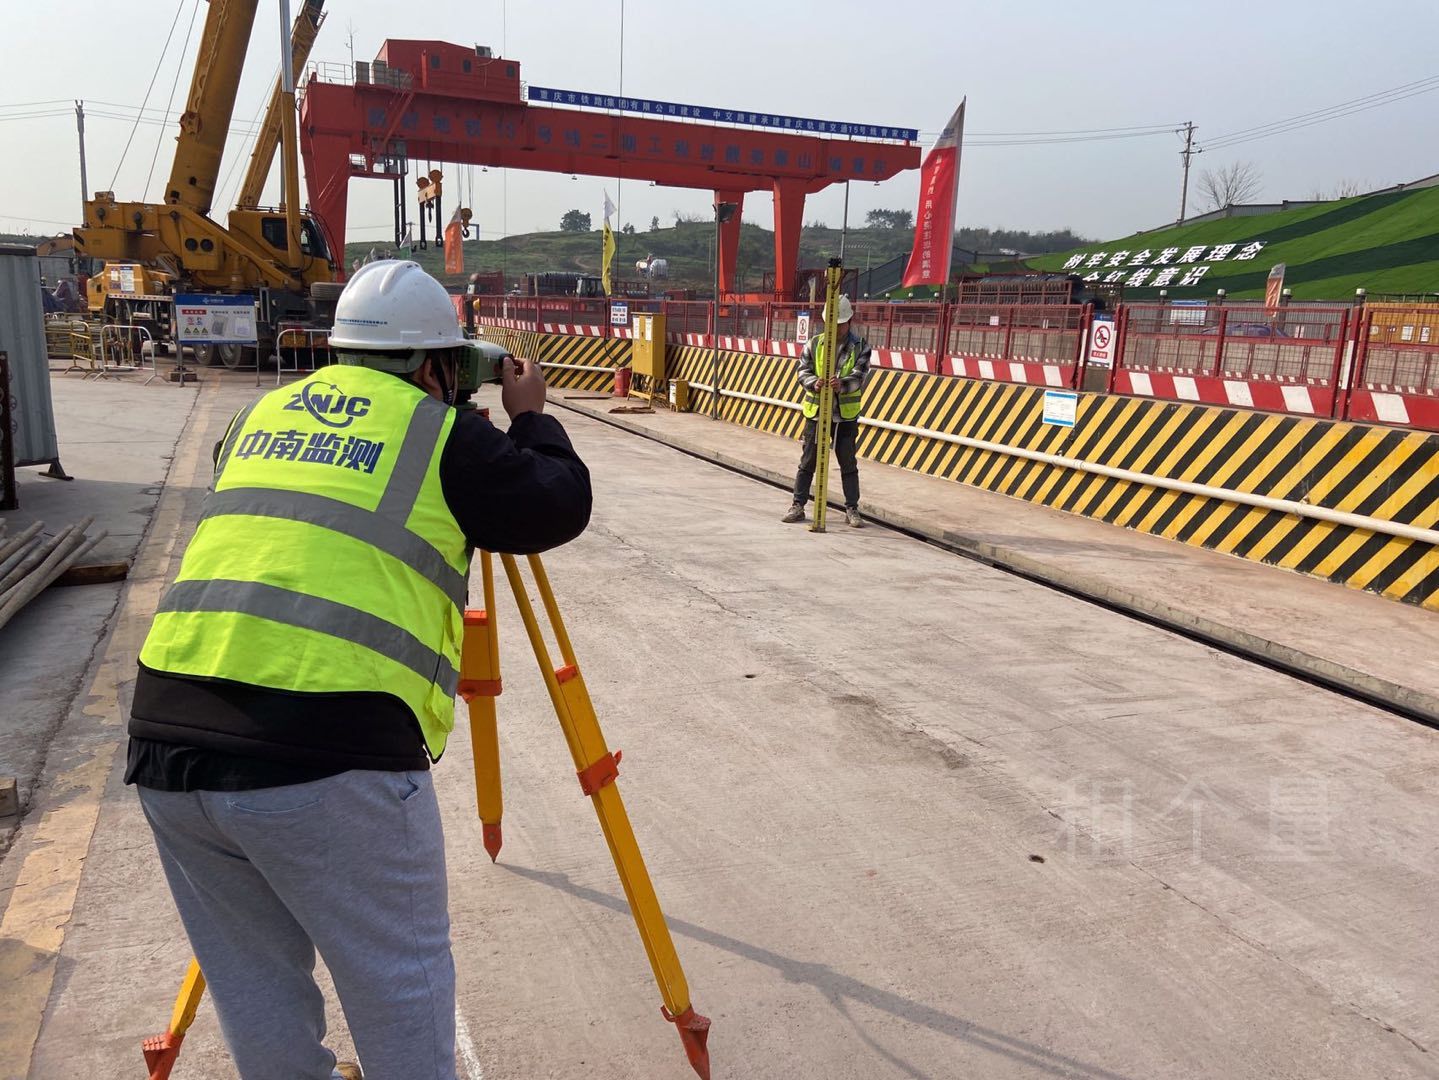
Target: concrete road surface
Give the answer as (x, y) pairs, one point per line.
(908, 817)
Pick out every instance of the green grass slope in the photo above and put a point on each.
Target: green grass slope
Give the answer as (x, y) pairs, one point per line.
(1382, 243)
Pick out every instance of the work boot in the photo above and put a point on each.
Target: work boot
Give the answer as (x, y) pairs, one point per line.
(796, 513)
(348, 1070)
(852, 518)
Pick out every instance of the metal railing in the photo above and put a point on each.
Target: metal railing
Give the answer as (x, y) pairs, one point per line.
(1334, 351)
(1298, 344)
(303, 343)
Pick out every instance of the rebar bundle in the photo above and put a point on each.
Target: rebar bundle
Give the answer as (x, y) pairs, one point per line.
(31, 560)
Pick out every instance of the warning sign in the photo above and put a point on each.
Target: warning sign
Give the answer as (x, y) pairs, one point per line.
(1101, 342)
(207, 319)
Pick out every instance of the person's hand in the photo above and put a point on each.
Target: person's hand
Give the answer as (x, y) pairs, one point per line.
(834, 381)
(522, 386)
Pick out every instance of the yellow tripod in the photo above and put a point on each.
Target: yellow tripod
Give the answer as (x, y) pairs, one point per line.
(824, 423)
(596, 767)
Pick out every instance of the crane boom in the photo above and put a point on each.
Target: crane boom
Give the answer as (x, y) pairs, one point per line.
(205, 124)
(302, 39)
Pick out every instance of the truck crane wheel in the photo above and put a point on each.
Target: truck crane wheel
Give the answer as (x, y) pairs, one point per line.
(217, 355)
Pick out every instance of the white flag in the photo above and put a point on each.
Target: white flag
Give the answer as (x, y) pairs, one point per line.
(407, 241)
(609, 208)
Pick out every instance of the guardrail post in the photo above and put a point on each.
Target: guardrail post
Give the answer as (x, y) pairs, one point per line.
(1121, 334)
(1363, 329)
(1081, 355)
(1006, 351)
(1337, 371)
(1219, 343)
(946, 326)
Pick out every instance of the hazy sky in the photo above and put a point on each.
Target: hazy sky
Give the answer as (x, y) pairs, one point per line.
(1036, 67)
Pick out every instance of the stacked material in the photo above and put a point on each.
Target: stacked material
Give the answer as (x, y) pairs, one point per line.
(30, 561)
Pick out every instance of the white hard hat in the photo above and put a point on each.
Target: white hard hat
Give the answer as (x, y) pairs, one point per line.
(393, 305)
(846, 310)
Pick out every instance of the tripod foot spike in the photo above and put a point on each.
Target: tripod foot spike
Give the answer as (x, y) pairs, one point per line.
(694, 1032)
(494, 840)
(160, 1053)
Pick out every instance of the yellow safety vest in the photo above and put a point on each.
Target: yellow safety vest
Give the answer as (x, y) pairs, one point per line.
(848, 402)
(327, 559)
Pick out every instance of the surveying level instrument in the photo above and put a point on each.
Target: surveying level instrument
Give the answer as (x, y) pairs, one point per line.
(596, 767)
(824, 422)
(480, 362)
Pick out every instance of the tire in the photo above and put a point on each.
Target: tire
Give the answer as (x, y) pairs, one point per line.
(230, 355)
(206, 355)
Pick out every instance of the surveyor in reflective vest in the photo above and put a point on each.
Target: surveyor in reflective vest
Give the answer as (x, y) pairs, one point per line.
(813, 369)
(298, 681)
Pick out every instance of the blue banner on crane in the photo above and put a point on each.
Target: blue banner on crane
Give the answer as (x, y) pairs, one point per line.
(676, 111)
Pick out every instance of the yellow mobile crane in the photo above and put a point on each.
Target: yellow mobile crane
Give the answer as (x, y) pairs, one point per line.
(279, 255)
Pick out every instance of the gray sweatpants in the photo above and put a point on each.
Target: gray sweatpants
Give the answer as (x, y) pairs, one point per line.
(352, 865)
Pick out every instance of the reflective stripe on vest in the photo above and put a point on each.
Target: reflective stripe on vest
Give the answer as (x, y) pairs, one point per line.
(848, 403)
(355, 576)
(313, 613)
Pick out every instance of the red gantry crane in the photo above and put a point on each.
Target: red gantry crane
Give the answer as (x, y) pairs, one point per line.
(434, 101)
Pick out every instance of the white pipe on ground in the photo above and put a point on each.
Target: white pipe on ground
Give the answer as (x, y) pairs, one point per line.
(1243, 498)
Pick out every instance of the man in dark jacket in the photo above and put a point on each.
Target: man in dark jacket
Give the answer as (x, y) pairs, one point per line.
(298, 681)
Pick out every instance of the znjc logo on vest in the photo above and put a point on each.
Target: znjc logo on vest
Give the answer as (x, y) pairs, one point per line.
(333, 410)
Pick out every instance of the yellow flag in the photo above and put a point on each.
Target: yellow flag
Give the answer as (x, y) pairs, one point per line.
(609, 256)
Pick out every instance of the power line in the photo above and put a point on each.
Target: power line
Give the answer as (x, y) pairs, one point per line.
(1342, 105)
(1074, 131)
(179, 67)
(37, 115)
(1323, 116)
(166, 48)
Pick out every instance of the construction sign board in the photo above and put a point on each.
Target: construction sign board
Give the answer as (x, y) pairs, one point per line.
(1101, 342)
(208, 319)
(1060, 407)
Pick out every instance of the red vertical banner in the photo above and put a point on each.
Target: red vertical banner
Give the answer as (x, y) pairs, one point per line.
(1274, 290)
(934, 216)
(454, 245)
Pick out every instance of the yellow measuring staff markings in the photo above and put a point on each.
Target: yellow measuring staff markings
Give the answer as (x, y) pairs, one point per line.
(825, 366)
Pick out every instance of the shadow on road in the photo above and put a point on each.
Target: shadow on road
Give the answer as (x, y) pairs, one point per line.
(840, 989)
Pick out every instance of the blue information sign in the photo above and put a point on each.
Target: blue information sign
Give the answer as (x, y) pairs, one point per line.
(214, 319)
(671, 110)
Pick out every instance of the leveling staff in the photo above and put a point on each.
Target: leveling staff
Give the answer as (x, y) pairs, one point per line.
(300, 674)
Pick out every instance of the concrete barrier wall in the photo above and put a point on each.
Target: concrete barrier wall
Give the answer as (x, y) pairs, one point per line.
(1383, 473)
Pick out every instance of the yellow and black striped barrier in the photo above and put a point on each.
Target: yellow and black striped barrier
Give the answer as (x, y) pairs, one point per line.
(1388, 474)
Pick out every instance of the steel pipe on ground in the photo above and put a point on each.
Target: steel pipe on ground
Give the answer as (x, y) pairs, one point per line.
(1243, 498)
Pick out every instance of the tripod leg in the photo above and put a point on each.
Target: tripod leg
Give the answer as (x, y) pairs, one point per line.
(162, 1050)
(598, 769)
(479, 686)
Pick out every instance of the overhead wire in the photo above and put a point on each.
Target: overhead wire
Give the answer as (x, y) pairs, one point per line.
(174, 83)
(1342, 108)
(1323, 116)
(245, 137)
(164, 49)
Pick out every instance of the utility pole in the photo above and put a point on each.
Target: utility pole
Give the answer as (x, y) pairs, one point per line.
(84, 180)
(844, 221)
(1187, 153)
